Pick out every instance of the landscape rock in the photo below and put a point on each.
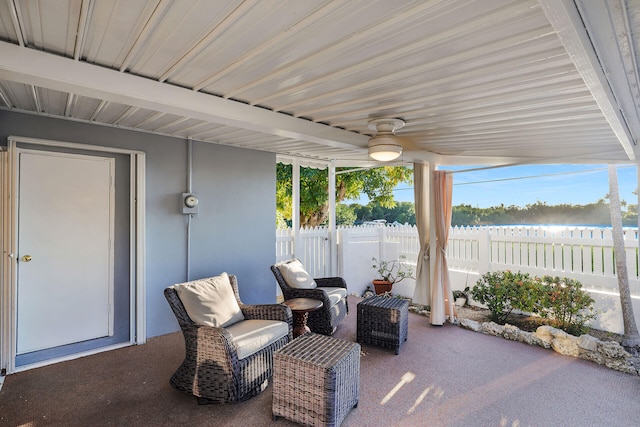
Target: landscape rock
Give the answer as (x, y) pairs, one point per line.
(492, 328)
(620, 365)
(511, 332)
(471, 325)
(526, 337)
(592, 356)
(542, 343)
(544, 334)
(588, 349)
(566, 344)
(607, 353)
(588, 343)
(612, 350)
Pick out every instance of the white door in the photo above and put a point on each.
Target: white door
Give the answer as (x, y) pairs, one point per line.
(65, 230)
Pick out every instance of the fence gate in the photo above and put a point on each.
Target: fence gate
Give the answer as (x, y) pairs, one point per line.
(313, 249)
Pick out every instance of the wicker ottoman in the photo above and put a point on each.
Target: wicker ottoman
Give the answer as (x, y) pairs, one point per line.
(383, 322)
(316, 380)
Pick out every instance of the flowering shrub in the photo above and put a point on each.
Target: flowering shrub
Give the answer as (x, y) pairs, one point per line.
(560, 300)
(566, 304)
(505, 291)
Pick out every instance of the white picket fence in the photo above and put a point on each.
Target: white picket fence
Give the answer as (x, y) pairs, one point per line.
(583, 253)
(313, 249)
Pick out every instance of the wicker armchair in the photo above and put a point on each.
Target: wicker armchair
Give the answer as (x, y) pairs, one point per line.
(332, 291)
(212, 370)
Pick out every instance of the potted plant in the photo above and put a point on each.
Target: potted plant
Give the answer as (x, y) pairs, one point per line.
(390, 272)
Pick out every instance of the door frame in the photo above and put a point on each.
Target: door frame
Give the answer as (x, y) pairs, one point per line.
(8, 279)
(107, 232)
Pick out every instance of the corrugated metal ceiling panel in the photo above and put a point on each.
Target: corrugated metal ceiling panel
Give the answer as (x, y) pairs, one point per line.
(483, 78)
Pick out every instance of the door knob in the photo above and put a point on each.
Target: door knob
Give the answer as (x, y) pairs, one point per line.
(26, 258)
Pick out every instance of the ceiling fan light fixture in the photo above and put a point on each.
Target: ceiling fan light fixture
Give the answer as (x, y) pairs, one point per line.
(384, 148)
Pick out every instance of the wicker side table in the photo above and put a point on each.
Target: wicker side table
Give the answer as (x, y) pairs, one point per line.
(316, 380)
(383, 322)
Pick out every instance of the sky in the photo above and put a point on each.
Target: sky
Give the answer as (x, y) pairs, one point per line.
(527, 184)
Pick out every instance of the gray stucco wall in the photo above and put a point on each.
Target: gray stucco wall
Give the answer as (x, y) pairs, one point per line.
(234, 230)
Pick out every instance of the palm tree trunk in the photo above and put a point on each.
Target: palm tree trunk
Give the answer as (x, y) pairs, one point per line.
(631, 338)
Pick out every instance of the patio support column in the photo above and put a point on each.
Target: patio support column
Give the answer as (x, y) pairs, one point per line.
(333, 234)
(433, 247)
(295, 205)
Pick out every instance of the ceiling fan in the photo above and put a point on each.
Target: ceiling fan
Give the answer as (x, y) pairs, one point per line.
(385, 146)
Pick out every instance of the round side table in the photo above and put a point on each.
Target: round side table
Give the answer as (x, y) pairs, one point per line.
(301, 308)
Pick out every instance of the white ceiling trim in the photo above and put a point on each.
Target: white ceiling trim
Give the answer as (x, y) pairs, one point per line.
(612, 36)
(36, 68)
(507, 161)
(565, 19)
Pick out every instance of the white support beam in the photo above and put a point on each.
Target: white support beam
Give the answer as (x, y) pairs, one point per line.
(41, 69)
(333, 233)
(566, 21)
(433, 246)
(295, 206)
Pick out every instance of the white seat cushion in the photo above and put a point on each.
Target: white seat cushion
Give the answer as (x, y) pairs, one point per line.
(253, 335)
(295, 275)
(210, 301)
(335, 294)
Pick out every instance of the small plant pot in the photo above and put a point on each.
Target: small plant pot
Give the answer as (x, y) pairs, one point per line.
(382, 286)
(460, 301)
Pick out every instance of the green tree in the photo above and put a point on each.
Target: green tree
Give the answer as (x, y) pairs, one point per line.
(280, 221)
(377, 184)
(465, 215)
(345, 215)
(596, 213)
(404, 213)
(363, 212)
(630, 218)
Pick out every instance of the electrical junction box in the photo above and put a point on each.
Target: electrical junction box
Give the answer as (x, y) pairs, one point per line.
(189, 203)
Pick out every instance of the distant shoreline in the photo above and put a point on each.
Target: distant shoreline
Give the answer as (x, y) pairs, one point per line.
(545, 225)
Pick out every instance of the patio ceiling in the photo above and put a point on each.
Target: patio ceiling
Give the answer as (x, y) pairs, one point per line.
(477, 82)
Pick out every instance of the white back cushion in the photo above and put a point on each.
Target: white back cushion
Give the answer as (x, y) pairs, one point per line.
(295, 275)
(210, 301)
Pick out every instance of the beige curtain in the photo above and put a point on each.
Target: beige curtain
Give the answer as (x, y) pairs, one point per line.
(421, 196)
(441, 298)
